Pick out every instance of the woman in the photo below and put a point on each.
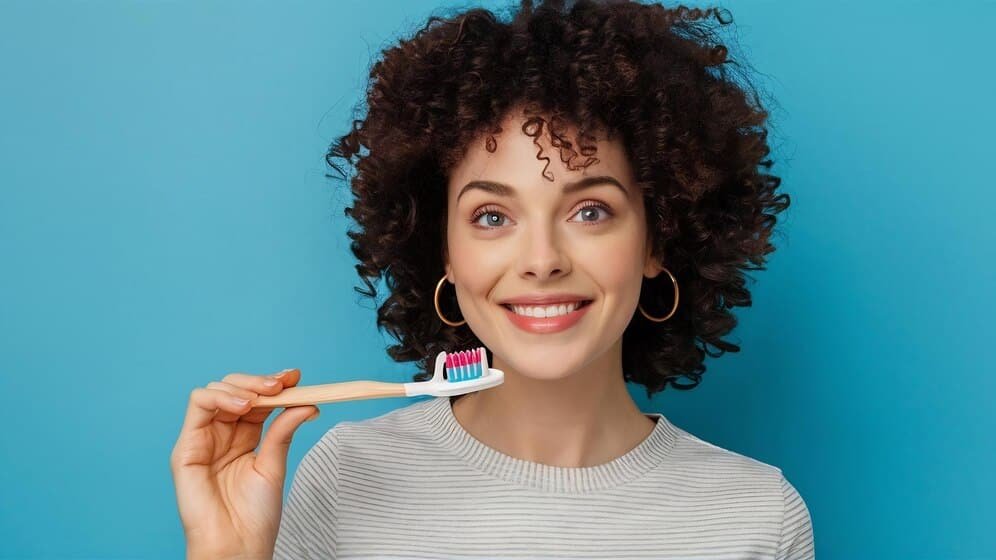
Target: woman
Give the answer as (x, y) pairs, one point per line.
(577, 190)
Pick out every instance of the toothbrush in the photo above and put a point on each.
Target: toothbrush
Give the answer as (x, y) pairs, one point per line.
(465, 372)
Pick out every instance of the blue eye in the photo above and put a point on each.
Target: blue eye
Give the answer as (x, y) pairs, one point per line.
(591, 209)
(496, 219)
(493, 218)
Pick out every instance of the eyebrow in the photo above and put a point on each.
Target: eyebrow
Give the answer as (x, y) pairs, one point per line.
(501, 189)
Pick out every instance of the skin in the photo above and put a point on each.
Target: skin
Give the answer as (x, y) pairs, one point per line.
(563, 402)
(229, 496)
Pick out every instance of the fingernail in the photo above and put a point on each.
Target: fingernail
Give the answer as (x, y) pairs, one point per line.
(283, 373)
(239, 402)
(270, 382)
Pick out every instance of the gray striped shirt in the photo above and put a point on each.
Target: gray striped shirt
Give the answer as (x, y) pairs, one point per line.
(413, 483)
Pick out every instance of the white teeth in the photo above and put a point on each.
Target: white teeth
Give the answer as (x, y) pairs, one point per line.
(548, 311)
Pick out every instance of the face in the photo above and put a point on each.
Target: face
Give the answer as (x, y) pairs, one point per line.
(533, 237)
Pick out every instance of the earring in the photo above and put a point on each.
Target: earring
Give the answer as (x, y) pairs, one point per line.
(436, 301)
(673, 308)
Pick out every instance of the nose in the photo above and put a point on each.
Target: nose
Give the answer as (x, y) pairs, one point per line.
(541, 257)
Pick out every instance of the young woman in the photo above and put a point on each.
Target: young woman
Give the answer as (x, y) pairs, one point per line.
(579, 190)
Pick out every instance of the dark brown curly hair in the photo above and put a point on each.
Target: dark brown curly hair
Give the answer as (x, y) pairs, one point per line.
(656, 78)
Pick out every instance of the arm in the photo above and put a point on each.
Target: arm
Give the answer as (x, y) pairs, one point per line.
(797, 528)
(307, 522)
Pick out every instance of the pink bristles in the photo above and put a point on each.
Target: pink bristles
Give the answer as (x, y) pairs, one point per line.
(464, 365)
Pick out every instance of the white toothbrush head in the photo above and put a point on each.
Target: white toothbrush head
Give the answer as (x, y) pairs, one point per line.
(458, 373)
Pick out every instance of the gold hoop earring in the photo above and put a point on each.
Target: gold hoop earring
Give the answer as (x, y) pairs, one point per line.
(436, 301)
(673, 307)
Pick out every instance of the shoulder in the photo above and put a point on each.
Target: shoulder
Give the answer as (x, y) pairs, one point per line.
(711, 460)
(759, 487)
(713, 469)
(401, 423)
(733, 486)
(402, 430)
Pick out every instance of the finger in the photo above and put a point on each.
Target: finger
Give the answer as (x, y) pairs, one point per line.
(289, 377)
(224, 415)
(271, 460)
(257, 415)
(233, 389)
(205, 403)
(261, 384)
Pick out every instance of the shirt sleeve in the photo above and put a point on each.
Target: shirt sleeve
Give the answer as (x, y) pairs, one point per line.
(796, 542)
(307, 520)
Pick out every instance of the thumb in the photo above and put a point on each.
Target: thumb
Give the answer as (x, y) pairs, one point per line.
(271, 461)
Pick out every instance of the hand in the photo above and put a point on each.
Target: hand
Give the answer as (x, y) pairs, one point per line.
(229, 496)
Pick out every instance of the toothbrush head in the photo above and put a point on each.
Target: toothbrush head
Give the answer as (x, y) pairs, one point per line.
(458, 373)
(464, 365)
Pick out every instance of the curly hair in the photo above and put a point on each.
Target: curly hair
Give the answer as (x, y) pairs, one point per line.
(656, 78)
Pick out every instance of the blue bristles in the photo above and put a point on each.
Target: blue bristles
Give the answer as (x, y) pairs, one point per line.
(464, 365)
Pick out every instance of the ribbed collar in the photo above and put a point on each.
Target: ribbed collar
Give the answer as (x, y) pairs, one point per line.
(448, 433)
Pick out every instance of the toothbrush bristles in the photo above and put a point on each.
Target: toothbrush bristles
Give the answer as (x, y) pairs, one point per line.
(464, 365)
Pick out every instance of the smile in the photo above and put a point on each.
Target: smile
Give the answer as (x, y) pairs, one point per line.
(546, 319)
(541, 311)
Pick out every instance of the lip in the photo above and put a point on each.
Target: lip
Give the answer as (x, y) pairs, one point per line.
(545, 299)
(546, 325)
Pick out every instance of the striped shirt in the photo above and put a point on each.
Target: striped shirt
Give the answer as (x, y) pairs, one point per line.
(412, 483)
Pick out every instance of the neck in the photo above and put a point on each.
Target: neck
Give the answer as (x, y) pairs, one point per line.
(583, 419)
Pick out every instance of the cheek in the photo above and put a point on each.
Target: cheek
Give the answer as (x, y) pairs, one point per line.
(614, 261)
(616, 270)
(475, 264)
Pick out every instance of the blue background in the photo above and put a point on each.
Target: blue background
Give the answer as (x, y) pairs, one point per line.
(165, 220)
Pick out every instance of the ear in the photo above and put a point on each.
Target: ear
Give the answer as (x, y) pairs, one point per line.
(652, 266)
(446, 263)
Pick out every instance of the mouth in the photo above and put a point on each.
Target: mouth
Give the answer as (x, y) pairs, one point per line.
(547, 311)
(533, 319)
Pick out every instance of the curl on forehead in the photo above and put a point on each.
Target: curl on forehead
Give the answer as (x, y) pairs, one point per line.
(573, 142)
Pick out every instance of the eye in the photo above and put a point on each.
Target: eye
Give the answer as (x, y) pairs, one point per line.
(493, 215)
(591, 210)
(495, 218)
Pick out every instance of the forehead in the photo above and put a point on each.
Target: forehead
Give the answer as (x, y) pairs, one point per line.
(515, 160)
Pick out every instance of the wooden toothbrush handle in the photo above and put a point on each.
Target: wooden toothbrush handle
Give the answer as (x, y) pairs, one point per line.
(331, 392)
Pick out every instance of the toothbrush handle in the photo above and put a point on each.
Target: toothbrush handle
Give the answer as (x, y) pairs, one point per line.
(330, 392)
